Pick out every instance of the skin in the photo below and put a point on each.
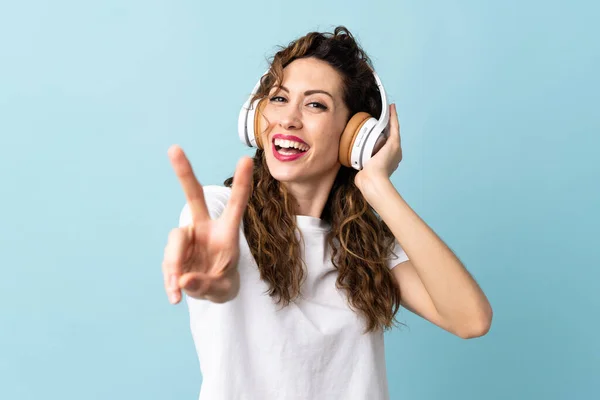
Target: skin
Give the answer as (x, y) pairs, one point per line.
(316, 118)
(201, 259)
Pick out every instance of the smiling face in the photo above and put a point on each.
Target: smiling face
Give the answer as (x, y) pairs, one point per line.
(304, 119)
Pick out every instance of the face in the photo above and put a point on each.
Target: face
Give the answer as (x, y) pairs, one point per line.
(305, 118)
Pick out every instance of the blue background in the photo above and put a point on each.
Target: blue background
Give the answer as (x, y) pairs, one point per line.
(498, 105)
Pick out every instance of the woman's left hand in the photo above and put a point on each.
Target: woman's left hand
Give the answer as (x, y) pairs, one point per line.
(386, 160)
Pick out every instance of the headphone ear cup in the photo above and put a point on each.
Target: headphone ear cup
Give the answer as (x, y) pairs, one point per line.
(349, 135)
(259, 125)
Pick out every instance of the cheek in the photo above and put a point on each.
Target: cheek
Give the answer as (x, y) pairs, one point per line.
(328, 148)
(325, 135)
(331, 139)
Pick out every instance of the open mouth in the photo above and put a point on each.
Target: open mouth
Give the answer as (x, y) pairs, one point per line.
(289, 147)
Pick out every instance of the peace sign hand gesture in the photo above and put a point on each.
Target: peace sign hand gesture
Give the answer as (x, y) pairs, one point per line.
(201, 258)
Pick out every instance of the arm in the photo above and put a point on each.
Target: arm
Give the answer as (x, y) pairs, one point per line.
(433, 283)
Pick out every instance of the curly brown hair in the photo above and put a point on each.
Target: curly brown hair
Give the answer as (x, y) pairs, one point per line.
(366, 241)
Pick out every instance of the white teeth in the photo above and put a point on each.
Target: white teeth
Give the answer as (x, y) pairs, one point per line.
(290, 144)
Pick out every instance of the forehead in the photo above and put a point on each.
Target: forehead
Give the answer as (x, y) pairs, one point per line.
(312, 74)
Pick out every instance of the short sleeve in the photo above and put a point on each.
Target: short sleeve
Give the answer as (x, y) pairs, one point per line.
(216, 198)
(397, 256)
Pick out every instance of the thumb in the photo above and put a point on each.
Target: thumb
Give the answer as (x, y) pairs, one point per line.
(194, 284)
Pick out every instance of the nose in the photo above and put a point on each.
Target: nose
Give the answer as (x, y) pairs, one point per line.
(289, 117)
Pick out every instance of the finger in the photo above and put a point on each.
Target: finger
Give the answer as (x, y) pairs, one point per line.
(396, 133)
(192, 189)
(394, 124)
(240, 192)
(176, 251)
(209, 287)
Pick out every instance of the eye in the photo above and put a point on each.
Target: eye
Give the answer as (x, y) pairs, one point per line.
(315, 104)
(277, 99)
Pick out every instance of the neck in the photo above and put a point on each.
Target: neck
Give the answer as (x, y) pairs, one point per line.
(311, 196)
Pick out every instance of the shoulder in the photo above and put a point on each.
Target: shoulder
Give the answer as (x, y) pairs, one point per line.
(216, 198)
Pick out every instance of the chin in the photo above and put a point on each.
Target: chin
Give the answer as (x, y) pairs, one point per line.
(283, 173)
(301, 173)
(311, 168)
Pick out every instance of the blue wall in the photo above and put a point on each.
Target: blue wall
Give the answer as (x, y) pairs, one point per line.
(498, 104)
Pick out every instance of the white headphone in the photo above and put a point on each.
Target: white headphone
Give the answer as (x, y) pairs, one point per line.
(363, 132)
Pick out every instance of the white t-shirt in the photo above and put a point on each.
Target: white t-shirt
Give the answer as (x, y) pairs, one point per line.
(313, 349)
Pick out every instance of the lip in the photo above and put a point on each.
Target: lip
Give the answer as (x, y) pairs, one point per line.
(282, 157)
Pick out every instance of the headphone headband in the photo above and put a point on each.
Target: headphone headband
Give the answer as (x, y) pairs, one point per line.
(384, 118)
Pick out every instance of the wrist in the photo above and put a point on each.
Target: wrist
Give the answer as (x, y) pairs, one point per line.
(373, 186)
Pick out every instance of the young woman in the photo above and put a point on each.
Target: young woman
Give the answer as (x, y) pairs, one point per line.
(294, 268)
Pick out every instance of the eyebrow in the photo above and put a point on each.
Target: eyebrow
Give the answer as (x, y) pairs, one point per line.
(309, 92)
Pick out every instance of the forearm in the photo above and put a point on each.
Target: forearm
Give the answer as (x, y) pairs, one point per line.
(457, 297)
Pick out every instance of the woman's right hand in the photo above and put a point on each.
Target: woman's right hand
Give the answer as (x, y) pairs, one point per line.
(201, 258)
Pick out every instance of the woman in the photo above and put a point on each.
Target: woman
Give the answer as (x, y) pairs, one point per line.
(293, 269)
